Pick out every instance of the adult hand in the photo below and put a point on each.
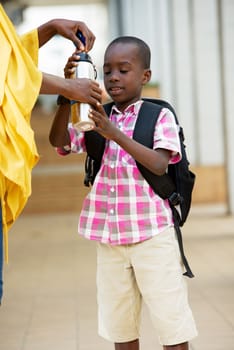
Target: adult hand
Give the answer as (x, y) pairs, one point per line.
(86, 88)
(80, 89)
(83, 90)
(68, 29)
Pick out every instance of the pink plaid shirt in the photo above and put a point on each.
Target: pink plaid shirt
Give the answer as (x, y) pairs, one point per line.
(121, 207)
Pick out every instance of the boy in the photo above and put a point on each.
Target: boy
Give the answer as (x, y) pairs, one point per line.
(137, 252)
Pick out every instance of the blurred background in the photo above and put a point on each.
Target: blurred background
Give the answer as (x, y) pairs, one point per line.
(192, 62)
(49, 283)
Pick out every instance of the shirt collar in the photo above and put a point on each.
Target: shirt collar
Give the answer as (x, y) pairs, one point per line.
(133, 108)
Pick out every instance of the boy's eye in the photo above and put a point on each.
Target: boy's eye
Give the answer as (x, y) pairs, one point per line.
(123, 71)
(106, 72)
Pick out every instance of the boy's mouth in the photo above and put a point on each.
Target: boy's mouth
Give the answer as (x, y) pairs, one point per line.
(115, 90)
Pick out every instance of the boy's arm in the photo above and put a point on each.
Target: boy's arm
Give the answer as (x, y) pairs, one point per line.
(59, 135)
(154, 160)
(68, 29)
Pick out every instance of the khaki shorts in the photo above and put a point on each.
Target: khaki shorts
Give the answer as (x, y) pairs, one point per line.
(149, 271)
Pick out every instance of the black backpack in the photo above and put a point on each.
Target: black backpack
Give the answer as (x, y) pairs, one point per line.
(176, 185)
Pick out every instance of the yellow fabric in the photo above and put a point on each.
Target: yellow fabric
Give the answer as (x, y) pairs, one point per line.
(20, 82)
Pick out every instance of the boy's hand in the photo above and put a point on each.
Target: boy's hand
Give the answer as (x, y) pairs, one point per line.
(69, 69)
(102, 122)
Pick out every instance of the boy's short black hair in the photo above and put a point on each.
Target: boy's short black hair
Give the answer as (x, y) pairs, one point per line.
(143, 48)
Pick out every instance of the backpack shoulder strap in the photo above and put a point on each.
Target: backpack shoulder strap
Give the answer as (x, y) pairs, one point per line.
(94, 142)
(162, 185)
(144, 134)
(163, 104)
(145, 124)
(95, 146)
(108, 106)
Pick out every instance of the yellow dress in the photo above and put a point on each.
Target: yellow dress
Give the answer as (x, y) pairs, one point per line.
(20, 82)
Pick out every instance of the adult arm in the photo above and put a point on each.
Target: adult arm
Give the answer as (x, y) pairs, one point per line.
(83, 90)
(68, 29)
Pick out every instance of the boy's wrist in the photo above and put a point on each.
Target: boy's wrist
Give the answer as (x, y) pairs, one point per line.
(117, 135)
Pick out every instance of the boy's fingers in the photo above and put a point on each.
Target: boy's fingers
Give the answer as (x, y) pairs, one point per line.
(99, 107)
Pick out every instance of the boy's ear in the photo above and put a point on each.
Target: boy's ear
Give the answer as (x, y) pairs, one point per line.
(146, 76)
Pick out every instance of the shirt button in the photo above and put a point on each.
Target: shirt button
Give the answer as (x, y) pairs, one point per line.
(112, 165)
(112, 189)
(111, 211)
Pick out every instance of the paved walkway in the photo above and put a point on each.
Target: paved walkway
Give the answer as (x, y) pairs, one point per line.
(49, 294)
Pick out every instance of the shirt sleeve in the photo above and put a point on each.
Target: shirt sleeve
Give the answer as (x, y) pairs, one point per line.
(30, 42)
(166, 135)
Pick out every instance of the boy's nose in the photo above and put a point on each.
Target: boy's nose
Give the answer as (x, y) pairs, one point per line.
(114, 77)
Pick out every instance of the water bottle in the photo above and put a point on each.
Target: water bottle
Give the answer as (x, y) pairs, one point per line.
(80, 110)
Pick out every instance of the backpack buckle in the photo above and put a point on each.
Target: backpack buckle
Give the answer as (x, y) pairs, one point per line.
(175, 199)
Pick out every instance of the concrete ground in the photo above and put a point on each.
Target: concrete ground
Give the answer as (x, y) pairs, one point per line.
(49, 285)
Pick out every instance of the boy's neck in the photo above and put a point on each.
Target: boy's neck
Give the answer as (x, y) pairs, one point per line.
(122, 106)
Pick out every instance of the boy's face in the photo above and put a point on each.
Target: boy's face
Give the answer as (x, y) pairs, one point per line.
(124, 75)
